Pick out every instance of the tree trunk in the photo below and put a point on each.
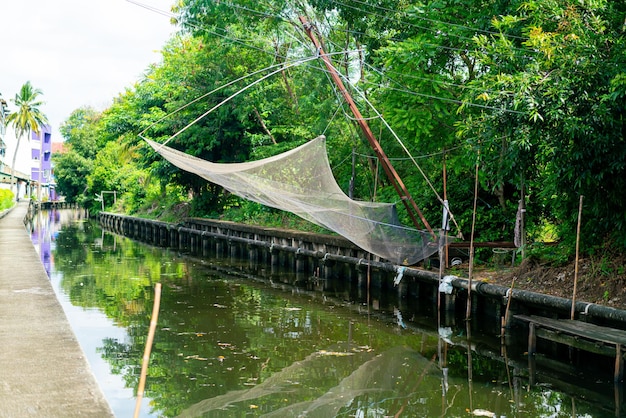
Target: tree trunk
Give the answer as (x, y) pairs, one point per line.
(280, 58)
(267, 131)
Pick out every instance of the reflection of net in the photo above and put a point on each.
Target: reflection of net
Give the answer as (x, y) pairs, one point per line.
(392, 374)
(301, 181)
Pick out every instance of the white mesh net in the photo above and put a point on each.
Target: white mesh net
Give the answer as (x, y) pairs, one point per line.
(301, 181)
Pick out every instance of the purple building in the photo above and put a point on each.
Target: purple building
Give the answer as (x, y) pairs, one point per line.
(41, 166)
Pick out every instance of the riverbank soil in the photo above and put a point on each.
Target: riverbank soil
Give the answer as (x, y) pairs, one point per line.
(601, 279)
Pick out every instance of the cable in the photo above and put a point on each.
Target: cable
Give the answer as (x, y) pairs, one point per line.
(405, 89)
(430, 96)
(393, 133)
(423, 156)
(153, 9)
(282, 68)
(385, 9)
(332, 118)
(209, 93)
(249, 45)
(425, 28)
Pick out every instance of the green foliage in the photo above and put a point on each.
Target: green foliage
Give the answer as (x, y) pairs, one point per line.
(72, 167)
(567, 139)
(555, 255)
(70, 171)
(248, 212)
(167, 203)
(6, 199)
(116, 170)
(80, 132)
(534, 92)
(28, 117)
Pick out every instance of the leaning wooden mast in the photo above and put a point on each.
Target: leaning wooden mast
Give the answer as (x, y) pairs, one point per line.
(391, 173)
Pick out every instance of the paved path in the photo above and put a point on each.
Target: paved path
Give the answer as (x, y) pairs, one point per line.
(43, 370)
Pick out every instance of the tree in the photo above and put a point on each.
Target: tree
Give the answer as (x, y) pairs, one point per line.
(28, 117)
(564, 80)
(71, 171)
(80, 131)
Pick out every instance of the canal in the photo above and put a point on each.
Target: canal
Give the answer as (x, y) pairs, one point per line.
(236, 341)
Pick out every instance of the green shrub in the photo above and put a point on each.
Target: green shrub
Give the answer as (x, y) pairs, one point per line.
(6, 199)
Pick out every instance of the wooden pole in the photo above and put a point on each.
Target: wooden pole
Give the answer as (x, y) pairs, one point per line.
(580, 210)
(522, 222)
(392, 175)
(468, 311)
(505, 321)
(445, 208)
(146, 354)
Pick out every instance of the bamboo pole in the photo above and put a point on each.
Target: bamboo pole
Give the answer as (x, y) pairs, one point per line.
(445, 208)
(468, 311)
(580, 210)
(388, 168)
(146, 354)
(505, 322)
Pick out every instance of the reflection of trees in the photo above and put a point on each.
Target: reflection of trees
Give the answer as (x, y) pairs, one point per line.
(219, 338)
(123, 360)
(70, 245)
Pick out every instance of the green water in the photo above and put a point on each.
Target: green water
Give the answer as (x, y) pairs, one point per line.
(233, 344)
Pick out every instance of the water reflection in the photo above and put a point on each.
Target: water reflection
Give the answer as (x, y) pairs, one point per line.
(43, 229)
(230, 343)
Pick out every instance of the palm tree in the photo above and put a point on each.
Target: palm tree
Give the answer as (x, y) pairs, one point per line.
(28, 117)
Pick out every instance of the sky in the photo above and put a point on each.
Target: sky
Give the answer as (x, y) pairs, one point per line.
(78, 52)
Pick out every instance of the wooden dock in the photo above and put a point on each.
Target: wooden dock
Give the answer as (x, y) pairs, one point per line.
(582, 335)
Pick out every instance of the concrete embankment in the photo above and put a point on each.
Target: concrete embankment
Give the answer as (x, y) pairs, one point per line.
(43, 370)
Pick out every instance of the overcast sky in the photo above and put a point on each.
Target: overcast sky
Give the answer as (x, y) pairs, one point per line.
(78, 52)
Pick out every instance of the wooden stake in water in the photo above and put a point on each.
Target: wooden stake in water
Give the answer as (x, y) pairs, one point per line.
(580, 210)
(146, 353)
(468, 312)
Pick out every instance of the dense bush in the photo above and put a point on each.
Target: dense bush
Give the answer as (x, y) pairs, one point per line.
(6, 199)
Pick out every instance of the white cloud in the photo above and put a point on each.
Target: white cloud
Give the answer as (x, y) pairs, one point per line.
(78, 52)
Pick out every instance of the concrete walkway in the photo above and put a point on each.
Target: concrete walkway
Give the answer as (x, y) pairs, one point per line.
(43, 370)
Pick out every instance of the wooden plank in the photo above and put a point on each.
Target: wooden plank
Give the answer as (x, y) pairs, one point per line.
(574, 333)
(578, 328)
(576, 342)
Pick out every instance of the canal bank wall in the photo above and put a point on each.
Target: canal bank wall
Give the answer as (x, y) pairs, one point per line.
(318, 257)
(43, 370)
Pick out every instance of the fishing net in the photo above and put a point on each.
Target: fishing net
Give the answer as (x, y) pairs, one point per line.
(301, 181)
